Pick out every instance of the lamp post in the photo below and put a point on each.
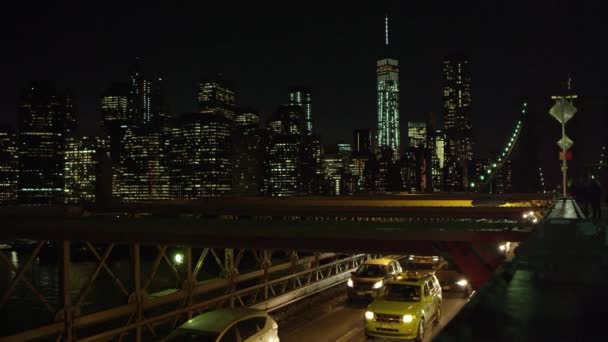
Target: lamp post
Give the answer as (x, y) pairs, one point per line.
(563, 111)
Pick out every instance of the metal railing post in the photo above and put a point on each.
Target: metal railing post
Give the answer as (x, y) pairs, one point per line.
(136, 268)
(189, 280)
(68, 313)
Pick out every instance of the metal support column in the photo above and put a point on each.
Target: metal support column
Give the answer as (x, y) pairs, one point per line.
(189, 280)
(68, 313)
(137, 292)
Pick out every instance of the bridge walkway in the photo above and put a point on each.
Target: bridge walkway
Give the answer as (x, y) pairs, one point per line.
(553, 290)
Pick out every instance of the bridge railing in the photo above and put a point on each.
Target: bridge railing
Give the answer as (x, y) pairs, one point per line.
(144, 315)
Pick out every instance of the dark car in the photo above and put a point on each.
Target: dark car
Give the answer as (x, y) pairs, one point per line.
(369, 278)
(449, 276)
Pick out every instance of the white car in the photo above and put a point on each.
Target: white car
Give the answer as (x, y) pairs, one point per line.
(228, 325)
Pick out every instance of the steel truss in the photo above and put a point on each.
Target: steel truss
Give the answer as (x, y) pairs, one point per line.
(267, 287)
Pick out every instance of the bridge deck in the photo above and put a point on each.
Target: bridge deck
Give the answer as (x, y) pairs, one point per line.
(386, 237)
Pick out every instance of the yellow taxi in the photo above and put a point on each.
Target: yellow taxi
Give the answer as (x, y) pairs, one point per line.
(405, 307)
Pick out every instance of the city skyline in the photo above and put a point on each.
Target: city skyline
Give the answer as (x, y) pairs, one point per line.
(348, 31)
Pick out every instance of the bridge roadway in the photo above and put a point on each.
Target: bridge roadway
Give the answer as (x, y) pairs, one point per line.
(339, 321)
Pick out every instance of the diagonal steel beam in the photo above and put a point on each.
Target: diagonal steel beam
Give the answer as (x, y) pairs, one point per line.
(12, 267)
(157, 260)
(19, 274)
(175, 271)
(117, 280)
(89, 283)
(200, 262)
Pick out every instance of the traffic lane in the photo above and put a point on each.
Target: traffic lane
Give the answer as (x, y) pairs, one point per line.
(345, 323)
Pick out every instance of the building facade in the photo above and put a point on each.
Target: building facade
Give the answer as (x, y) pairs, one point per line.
(202, 152)
(457, 120)
(301, 96)
(387, 87)
(143, 172)
(246, 166)
(216, 96)
(286, 152)
(86, 181)
(9, 165)
(46, 118)
(417, 134)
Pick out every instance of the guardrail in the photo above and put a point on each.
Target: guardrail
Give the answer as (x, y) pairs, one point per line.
(267, 287)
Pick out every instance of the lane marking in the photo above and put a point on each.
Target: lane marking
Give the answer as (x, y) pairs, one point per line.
(349, 334)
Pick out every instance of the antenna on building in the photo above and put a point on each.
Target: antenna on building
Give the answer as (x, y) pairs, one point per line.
(569, 82)
(386, 29)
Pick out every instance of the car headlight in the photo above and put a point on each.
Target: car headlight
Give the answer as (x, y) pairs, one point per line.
(462, 282)
(369, 315)
(378, 285)
(350, 283)
(407, 318)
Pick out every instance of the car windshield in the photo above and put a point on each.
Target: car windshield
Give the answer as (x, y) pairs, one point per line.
(183, 335)
(401, 293)
(370, 271)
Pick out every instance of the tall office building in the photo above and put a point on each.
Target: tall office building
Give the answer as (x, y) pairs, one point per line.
(285, 152)
(246, 149)
(387, 81)
(437, 160)
(335, 171)
(457, 120)
(46, 118)
(300, 96)
(9, 165)
(417, 134)
(139, 104)
(201, 150)
(216, 95)
(362, 141)
(143, 171)
(85, 179)
(115, 123)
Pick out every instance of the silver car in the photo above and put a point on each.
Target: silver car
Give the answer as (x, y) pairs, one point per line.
(228, 325)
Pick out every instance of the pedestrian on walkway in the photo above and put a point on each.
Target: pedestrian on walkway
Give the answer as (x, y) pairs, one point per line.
(594, 193)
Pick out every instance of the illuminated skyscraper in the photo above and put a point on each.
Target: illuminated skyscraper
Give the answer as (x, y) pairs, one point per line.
(139, 104)
(285, 152)
(85, 179)
(245, 157)
(437, 160)
(387, 76)
(143, 172)
(361, 141)
(115, 116)
(417, 134)
(201, 150)
(9, 165)
(46, 118)
(216, 95)
(457, 120)
(301, 97)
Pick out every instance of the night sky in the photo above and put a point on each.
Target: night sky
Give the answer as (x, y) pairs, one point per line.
(517, 50)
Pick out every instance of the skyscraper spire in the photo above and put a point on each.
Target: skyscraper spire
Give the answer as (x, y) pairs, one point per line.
(386, 29)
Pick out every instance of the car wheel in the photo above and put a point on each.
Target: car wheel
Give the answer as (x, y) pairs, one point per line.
(420, 334)
(437, 315)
